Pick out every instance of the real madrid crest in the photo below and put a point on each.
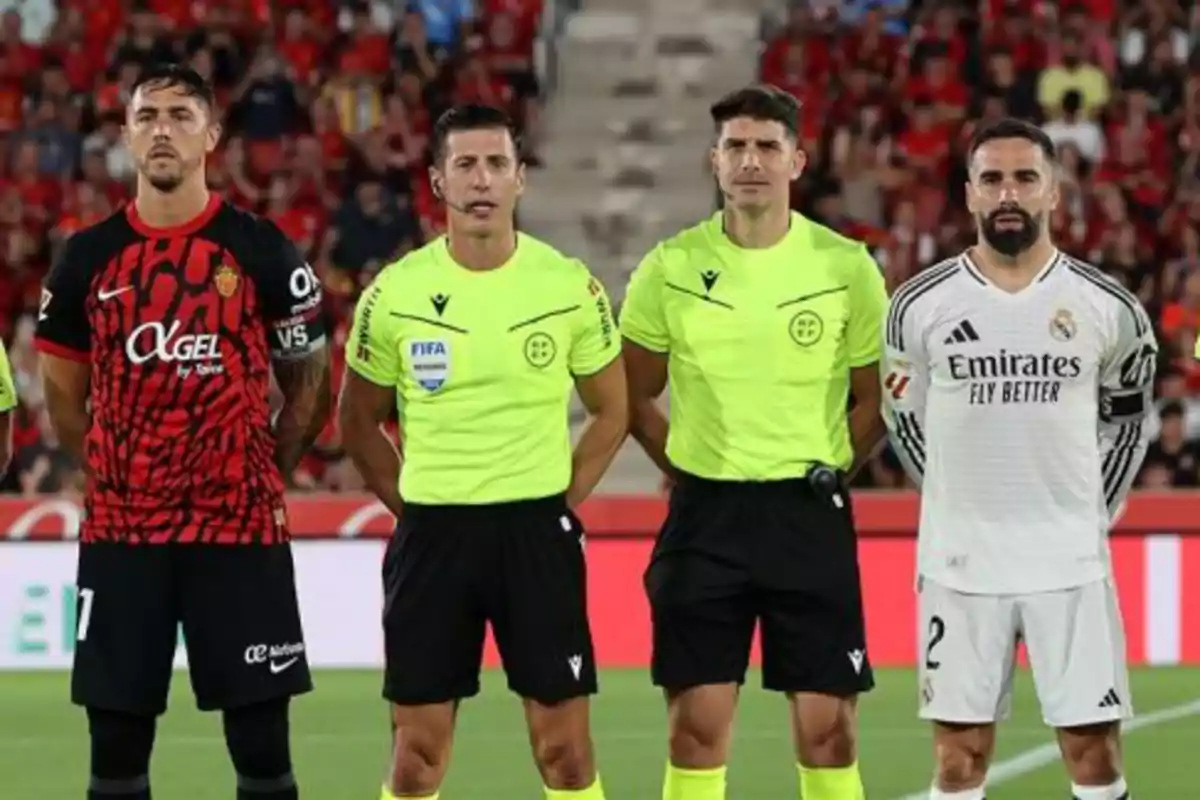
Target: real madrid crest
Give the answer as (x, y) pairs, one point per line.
(226, 280)
(1062, 325)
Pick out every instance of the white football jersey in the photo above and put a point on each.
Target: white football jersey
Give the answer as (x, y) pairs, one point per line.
(1021, 417)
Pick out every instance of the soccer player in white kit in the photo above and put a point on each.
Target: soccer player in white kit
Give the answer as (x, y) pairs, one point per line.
(1017, 381)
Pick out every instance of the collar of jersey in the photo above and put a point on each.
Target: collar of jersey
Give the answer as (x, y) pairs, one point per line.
(442, 252)
(799, 234)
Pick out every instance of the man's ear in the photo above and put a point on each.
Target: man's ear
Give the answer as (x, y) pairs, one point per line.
(212, 137)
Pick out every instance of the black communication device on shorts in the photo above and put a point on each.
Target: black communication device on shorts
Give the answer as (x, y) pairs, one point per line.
(826, 483)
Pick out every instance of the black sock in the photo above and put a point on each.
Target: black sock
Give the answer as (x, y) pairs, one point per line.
(257, 738)
(281, 788)
(120, 745)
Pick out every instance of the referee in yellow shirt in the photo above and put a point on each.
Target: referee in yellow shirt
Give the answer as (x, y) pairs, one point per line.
(8, 401)
(762, 323)
(479, 339)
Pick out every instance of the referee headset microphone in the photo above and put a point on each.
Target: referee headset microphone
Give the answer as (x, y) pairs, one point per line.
(440, 193)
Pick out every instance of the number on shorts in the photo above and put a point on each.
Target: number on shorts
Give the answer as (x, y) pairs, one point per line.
(937, 629)
(86, 596)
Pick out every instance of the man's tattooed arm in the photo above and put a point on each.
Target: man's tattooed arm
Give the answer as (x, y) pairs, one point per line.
(307, 402)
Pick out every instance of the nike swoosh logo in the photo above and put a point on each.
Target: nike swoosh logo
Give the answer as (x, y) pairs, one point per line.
(277, 668)
(109, 294)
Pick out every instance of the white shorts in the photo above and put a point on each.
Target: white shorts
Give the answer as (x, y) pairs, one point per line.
(1074, 637)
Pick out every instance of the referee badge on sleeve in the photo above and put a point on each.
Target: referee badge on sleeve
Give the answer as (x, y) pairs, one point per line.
(429, 360)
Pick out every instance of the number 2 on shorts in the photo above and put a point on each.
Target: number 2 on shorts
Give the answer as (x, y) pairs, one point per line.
(937, 630)
(86, 597)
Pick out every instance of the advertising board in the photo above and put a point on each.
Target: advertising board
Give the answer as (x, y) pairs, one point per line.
(339, 547)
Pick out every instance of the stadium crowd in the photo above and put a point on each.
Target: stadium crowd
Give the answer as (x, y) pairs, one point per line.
(329, 107)
(891, 96)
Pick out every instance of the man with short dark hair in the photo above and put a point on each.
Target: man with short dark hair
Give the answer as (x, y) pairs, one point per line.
(763, 323)
(159, 330)
(479, 338)
(1017, 381)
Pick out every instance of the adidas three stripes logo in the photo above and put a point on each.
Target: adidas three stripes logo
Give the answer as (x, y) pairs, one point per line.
(963, 332)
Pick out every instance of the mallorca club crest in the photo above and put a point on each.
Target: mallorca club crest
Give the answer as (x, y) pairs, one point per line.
(226, 280)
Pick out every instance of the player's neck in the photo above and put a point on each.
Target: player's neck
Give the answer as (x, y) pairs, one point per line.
(1012, 273)
(757, 231)
(481, 253)
(170, 209)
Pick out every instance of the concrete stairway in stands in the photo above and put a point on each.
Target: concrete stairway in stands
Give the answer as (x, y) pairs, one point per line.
(626, 135)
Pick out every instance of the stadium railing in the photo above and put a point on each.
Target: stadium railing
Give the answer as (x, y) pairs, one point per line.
(339, 549)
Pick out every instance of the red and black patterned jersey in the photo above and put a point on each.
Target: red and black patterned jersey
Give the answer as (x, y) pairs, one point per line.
(180, 327)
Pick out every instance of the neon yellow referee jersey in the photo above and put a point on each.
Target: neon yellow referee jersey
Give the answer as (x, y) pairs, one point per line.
(760, 344)
(8, 389)
(483, 363)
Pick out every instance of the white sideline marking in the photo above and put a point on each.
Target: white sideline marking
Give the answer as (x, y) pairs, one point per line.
(1034, 759)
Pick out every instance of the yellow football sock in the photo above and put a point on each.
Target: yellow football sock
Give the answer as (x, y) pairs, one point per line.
(831, 783)
(387, 795)
(694, 784)
(593, 792)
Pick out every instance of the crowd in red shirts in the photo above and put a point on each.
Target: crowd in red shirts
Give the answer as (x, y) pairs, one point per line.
(327, 109)
(891, 100)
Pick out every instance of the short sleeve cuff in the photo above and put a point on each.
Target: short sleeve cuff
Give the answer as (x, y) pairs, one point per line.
(373, 376)
(652, 343)
(590, 368)
(865, 359)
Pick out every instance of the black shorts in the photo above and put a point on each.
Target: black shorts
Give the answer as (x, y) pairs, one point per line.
(239, 614)
(450, 570)
(731, 555)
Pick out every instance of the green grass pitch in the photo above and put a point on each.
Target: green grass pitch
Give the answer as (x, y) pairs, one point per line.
(340, 741)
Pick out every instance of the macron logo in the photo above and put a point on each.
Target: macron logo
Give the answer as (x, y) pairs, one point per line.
(576, 665)
(857, 657)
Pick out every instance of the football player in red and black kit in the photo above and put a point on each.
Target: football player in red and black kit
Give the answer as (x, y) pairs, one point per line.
(159, 330)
